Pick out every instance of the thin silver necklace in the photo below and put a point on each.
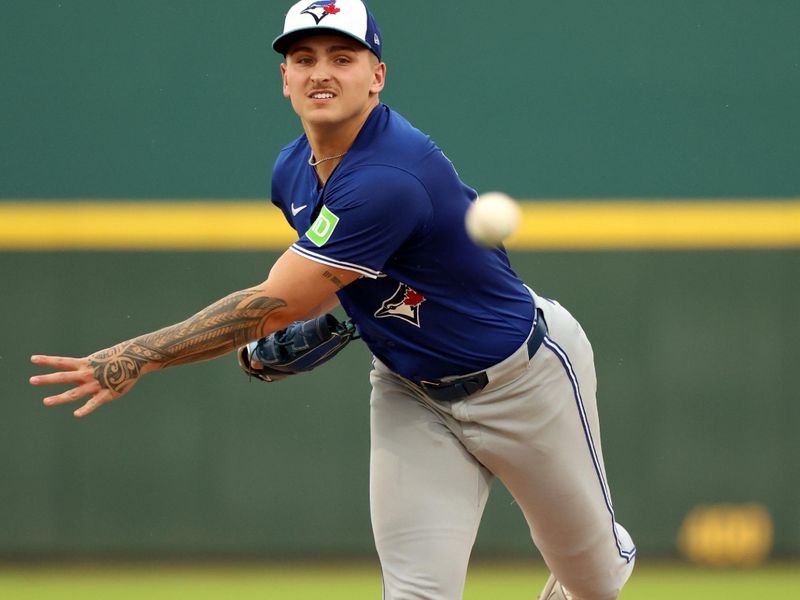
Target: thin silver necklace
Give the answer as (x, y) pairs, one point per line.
(314, 163)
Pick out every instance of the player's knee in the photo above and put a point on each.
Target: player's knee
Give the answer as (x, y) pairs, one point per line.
(603, 587)
(554, 591)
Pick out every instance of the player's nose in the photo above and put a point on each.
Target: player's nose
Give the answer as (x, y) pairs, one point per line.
(321, 80)
(320, 72)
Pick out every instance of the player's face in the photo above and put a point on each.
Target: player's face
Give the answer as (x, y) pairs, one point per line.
(331, 80)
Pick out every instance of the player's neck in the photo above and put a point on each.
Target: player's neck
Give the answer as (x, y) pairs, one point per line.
(324, 170)
(330, 141)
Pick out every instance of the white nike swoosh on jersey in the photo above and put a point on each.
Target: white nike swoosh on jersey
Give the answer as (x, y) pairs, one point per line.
(296, 211)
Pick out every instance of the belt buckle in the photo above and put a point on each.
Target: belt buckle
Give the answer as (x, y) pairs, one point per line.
(457, 388)
(434, 384)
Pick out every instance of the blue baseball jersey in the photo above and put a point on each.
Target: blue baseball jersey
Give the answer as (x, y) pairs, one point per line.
(430, 302)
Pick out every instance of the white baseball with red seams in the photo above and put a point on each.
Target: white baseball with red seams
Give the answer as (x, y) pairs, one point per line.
(492, 218)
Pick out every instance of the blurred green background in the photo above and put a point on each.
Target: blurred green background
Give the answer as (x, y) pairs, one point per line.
(180, 100)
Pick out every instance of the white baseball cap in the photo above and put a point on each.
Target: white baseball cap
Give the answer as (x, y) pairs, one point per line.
(347, 17)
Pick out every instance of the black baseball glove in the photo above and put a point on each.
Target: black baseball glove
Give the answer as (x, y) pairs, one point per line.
(301, 347)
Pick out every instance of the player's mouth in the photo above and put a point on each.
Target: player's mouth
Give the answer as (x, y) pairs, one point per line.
(321, 96)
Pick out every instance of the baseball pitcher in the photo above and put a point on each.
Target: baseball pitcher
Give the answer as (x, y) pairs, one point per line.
(475, 376)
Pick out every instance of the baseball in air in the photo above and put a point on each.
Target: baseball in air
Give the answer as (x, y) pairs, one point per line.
(492, 218)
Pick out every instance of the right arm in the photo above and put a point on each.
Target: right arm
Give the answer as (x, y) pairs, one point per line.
(295, 288)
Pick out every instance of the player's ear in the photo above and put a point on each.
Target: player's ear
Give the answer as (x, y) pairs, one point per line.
(285, 82)
(378, 78)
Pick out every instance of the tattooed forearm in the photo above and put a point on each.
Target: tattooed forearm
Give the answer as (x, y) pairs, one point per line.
(118, 367)
(216, 330)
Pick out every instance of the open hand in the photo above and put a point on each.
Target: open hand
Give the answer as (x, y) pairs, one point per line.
(90, 375)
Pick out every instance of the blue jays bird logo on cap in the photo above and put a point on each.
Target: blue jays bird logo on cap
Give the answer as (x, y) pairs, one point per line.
(351, 18)
(320, 10)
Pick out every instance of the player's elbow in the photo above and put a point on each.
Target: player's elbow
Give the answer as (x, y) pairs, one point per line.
(282, 317)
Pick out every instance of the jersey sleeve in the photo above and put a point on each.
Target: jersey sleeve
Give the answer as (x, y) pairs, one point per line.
(365, 218)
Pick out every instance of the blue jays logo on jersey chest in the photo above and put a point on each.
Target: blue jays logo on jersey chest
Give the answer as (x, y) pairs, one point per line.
(320, 10)
(404, 304)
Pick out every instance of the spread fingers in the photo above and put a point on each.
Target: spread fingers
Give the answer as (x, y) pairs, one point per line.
(74, 394)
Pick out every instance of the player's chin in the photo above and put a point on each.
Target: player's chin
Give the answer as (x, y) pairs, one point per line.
(322, 115)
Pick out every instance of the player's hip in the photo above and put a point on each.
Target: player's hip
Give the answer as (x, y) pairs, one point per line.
(553, 329)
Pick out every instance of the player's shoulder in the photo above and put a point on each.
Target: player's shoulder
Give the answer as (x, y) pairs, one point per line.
(403, 145)
(389, 154)
(395, 132)
(287, 170)
(293, 153)
(289, 163)
(379, 193)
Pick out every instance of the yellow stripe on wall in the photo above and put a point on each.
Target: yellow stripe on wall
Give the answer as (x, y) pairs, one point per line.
(257, 225)
(130, 225)
(659, 225)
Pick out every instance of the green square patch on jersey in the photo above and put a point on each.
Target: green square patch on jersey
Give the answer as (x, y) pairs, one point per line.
(321, 229)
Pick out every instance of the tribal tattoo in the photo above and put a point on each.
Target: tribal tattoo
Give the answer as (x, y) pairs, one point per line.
(216, 330)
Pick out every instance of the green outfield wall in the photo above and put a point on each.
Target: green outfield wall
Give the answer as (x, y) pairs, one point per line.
(688, 107)
(696, 354)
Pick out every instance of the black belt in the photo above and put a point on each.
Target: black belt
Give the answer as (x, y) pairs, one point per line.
(451, 390)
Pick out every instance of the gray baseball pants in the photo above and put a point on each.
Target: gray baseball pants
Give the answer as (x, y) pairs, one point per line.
(535, 427)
